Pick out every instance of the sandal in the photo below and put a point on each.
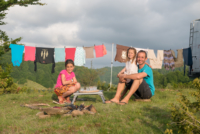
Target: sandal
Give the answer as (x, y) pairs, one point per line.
(122, 103)
(61, 101)
(110, 101)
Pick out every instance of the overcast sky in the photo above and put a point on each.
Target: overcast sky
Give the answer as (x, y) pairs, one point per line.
(153, 24)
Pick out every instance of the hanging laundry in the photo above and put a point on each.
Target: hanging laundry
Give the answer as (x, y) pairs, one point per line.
(79, 56)
(89, 52)
(156, 63)
(16, 54)
(187, 55)
(45, 56)
(138, 49)
(29, 53)
(168, 60)
(98, 50)
(59, 54)
(179, 60)
(70, 53)
(104, 50)
(121, 53)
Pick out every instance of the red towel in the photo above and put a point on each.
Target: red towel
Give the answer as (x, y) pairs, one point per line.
(29, 53)
(70, 53)
(99, 50)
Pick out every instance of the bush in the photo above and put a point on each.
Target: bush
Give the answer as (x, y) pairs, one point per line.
(105, 86)
(6, 82)
(184, 115)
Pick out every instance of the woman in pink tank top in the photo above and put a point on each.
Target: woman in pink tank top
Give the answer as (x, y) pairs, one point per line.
(66, 83)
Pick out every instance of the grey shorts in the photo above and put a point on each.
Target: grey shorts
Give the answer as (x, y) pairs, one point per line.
(143, 92)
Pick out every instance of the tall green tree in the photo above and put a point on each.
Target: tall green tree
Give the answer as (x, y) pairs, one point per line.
(7, 85)
(4, 6)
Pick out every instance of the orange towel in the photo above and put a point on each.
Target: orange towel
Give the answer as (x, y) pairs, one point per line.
(104, 50)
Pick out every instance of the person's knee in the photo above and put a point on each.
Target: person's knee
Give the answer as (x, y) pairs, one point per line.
(73, 90)
(141, 80)
(78, 85)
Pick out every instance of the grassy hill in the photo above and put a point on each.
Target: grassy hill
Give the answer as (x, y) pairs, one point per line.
(32, 85)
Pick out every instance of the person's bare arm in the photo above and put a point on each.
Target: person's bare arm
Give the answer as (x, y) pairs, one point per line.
(121, 72)
(74, 80)
(64, 81)
(136, 76)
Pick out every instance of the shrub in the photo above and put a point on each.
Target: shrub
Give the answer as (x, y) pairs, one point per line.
(184, 115)
(105, 86)
(6, 82)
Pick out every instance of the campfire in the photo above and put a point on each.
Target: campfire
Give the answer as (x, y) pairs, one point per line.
(67, 110)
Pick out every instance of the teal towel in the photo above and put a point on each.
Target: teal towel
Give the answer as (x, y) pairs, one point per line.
(59, 54)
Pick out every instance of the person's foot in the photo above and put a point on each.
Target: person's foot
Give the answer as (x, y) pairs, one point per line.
(123, 102)
(67, 100)
(61, 100)
(112, 101)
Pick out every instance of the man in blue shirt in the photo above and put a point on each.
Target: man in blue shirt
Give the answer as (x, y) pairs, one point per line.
(141, 84)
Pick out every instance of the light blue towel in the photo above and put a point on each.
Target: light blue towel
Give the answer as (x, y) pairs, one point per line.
(16, 54)
(59, 54)
(79, 56)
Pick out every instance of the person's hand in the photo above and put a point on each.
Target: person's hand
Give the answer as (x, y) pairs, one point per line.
(118, 75)
(121, 78)
(71, 82)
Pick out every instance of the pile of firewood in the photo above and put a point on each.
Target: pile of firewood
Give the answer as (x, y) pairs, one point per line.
(68, 110)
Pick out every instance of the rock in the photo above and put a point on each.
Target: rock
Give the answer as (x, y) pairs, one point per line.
(40, 113)
(76, 113)
(85, 111)
(54, 111)
(44, 116)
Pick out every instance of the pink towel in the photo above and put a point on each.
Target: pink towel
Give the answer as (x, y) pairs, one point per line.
(104, 50)
(99, 50)
(70, 53)
(29, 53)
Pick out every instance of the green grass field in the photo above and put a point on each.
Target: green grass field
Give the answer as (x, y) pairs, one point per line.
(135, 117)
